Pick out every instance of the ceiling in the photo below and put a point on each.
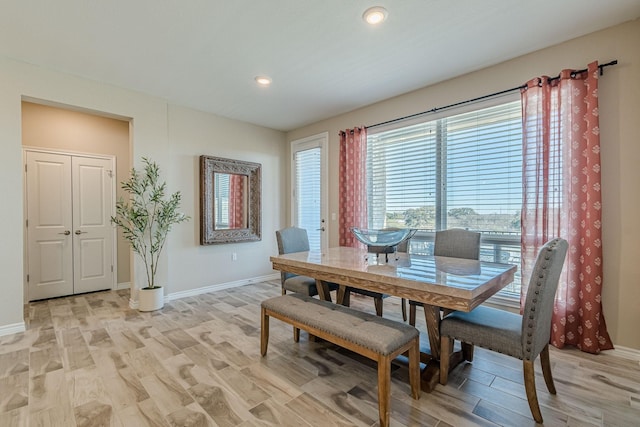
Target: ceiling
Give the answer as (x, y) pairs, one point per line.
(323, 59)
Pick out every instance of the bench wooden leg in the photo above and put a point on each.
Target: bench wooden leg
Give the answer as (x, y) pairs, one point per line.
(264, 331)
(384, 389)
(296, 334)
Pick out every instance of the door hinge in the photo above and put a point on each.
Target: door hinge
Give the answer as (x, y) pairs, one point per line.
(27, 278)
(26, 223)
(25, 167)
(112, 268)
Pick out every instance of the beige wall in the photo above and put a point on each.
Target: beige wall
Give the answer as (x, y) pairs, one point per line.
(174, 137)
(62, 129)
(192, 134)
(619, 98)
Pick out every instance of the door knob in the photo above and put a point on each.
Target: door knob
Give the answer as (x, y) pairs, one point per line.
(320, 229)
(66, 232)
(78, 232)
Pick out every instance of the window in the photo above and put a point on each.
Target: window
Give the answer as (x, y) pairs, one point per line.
(463, 170)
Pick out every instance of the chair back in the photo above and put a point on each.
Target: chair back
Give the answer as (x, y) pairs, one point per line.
(457, 243)
(290, 240)
(538, 307)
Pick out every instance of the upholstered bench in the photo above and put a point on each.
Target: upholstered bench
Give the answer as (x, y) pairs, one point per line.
(371, 336)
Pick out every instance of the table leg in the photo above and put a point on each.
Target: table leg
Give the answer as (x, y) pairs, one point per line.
(432, 319)
(343, 296)
(431, 373)
(323, 290)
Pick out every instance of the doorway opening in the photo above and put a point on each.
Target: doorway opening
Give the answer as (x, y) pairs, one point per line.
(309, 188)
(62, 130)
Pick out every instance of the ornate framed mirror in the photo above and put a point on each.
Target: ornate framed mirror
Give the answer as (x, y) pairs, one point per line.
(230, 193)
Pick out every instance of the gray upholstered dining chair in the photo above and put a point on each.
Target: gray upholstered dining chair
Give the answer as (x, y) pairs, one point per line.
(456, 243)
(290, 240)
(294, 239)
(522, 336)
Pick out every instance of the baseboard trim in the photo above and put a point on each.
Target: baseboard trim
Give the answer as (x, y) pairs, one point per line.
(211, 288)
(220, 286)
(13, 328)
(123, 285)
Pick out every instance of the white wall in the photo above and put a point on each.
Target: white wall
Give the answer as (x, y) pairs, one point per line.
(619, 98)
(196, 133)
(193, 134)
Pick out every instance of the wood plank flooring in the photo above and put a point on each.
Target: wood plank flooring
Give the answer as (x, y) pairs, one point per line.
(90, 360)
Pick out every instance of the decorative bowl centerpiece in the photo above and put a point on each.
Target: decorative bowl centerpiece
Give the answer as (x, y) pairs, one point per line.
(384, 241)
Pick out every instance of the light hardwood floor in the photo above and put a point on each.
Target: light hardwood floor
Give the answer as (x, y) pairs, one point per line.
(89, 360)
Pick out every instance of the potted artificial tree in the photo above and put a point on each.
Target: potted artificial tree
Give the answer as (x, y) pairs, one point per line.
(146, 219)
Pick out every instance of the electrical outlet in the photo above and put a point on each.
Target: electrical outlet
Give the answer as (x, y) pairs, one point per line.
(234, 256)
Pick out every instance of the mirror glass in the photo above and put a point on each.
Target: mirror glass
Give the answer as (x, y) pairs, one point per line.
(230, 192)
(230, 201)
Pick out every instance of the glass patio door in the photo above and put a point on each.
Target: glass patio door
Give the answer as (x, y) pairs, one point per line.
(309, 194)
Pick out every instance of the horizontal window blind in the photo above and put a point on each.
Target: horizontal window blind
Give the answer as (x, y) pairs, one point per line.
(460, 171)
(483, 180)
(400, 173)
(307, 163)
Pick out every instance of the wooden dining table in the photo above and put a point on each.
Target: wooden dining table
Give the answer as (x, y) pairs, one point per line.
(437, 282)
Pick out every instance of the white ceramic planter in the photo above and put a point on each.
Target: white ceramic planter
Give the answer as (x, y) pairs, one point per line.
(150, 299)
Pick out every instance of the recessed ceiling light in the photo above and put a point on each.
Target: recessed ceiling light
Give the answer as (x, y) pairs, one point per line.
(263, 80)
(375, 15)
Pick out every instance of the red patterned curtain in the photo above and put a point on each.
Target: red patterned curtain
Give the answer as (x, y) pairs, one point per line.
(352, 184)
(236, 201)
(561, 198)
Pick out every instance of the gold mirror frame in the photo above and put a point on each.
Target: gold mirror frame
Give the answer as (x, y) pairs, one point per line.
(209, 166)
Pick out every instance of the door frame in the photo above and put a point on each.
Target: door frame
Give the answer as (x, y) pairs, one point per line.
(318, 140)
(114, 236)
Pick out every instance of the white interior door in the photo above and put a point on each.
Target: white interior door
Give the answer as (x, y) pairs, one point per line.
(309, 198)
(92, 230)
(69, 235)
(49, 224)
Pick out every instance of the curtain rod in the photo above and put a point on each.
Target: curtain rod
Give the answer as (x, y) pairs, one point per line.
(480, 98)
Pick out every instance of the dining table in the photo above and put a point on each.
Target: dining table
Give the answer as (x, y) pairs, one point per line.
(441, 284)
